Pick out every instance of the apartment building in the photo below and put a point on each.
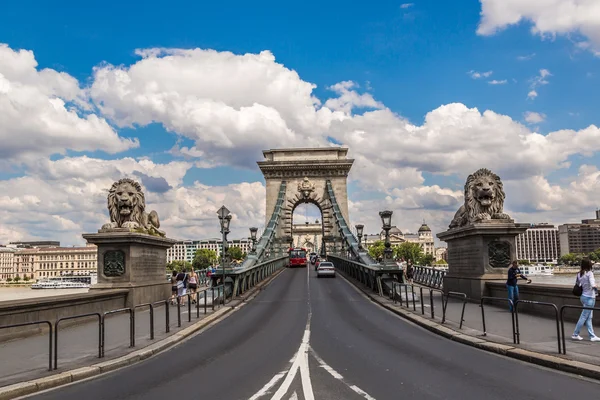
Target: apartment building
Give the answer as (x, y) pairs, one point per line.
(580, 238)
(185, 250)
(539, 244)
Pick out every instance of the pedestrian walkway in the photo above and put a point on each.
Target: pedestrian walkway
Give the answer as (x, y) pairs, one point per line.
(27, 358)
(537, 333)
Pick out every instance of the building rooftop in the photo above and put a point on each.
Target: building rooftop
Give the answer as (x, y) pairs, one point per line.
(424, 228)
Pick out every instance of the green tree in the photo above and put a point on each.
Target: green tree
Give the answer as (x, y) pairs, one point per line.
(17, 278)
(376, 249)
(236, 253)
(179, 265)
(9, 279)
(426, 259)
(407, 251)
(440, 262)
(26, 278)
(571, 258)
(204, 258)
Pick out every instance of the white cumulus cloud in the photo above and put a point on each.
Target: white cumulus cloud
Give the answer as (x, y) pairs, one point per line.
(549, 18)
(534, 117)
(478, 75)
(45, 112)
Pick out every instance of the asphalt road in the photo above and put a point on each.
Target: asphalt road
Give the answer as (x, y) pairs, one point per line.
(309, 338)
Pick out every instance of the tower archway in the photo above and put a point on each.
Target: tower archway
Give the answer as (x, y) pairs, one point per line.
(306, 172)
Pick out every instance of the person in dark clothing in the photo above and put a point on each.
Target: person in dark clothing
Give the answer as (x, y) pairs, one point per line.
(514, 273)
(182, 280)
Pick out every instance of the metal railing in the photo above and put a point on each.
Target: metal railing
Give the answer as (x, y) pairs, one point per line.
(49, 336)
(538, 303)
(512, 312)
(412, 291)
(429, 276)
(445, 297)
(131, 325)
(151, 307)
(463, 296)
(100, 334)
(562, 322)
(166, 304)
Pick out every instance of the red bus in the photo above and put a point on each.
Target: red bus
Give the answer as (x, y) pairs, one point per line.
(297, 257)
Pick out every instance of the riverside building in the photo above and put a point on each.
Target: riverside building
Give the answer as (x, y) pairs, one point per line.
(184, 250)
(580, 238)
(539, 244)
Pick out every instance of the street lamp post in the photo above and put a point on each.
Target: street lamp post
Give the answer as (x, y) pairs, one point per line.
(386, 220)
(253, 232)
(359, 233)
(224, 220)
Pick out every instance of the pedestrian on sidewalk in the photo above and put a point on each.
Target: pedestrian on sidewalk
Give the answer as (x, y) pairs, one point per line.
(173, 287)
(410, 272)
(193, 284)
(182, 280)
(514, 273)
(585, 279)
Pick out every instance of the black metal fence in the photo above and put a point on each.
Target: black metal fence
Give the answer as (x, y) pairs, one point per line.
(429, 276)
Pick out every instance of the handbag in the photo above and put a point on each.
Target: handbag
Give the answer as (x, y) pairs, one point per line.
(577, 289)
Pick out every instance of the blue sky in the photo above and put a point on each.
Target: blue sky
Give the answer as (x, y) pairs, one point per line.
(411, 57)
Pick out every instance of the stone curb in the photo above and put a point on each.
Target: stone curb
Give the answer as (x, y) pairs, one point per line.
(37, 385)
(544, 360)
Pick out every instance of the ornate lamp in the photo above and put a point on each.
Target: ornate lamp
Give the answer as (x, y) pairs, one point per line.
(224, 220)
(359, 233)
(386, 220)
(253, 232)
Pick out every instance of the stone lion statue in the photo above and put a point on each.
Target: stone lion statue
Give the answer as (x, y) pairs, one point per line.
(484, 199)
(126, 205)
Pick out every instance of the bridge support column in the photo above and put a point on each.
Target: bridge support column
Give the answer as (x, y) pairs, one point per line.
(479, 253)
(133, 261)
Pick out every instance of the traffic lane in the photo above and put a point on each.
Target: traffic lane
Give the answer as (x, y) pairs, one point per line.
(229, 361)
(387, 356)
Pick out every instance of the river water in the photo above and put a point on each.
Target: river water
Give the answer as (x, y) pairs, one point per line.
(21, 293)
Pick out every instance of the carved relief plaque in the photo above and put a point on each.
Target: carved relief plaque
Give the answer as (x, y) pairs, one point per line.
(499, 254)
(114, 263)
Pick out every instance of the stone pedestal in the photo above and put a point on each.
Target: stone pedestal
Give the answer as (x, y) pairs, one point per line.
(133, 261)
(479, 253)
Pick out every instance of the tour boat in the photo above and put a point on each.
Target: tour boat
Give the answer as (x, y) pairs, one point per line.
(541, 270)
(67, 282)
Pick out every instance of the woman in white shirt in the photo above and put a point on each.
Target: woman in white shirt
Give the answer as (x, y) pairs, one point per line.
(585, 279)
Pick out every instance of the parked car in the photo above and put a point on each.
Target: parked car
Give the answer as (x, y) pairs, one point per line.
(326, 268)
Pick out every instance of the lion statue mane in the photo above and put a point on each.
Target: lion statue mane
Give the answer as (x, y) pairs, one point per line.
(127, 205)
(484, 199)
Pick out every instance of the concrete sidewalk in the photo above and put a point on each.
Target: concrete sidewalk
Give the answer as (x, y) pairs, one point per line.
(27, 358)
(537, 333)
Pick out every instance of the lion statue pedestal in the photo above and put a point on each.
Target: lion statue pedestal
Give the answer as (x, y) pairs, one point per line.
(132, 251)
(481, 238)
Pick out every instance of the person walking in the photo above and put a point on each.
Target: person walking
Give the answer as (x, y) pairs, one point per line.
(585, 279)
(193, 284)
(173, 288)
(514, 273)
(182, 280)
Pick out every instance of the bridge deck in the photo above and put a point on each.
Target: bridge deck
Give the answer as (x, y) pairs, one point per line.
(308, 338)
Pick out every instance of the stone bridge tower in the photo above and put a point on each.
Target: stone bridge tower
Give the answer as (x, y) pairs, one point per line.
(306, 172)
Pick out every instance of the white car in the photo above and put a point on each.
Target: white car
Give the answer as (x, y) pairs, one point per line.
(325, 268)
